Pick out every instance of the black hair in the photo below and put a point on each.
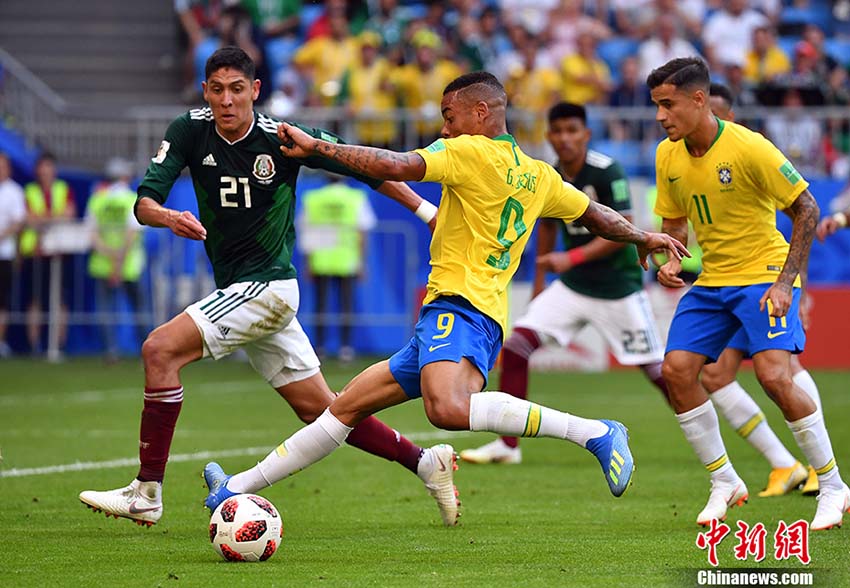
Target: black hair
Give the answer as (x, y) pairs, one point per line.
(232, 57)
(471, 79)
(567, 110)
(682, 72)
(723, 92)
(45, 156)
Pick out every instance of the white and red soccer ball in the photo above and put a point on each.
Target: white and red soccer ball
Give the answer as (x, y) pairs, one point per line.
(246, 527)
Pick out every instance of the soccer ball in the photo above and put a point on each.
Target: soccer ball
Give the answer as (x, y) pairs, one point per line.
(246, 527)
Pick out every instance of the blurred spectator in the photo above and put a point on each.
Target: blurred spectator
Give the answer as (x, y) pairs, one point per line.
(494, 41)
(803, 77)
(236, 29)
(368, 93)
(772, 9)
(630, 92)
(198, 19)
(420, 84)
(356, 13)
(288, 95)
(743, 92)
(274, 18)
(687, 17)
(118, 256)
(48, 200)
(389, 21)
(531, 15)
(586, 79)
(727, 34)
(323, 60)
(532, 88)
(566, 24)
(797, 134)
(333, 225)
(824, 64)
(629, 16)
(13, 213)
(765, 61)
(664, 45)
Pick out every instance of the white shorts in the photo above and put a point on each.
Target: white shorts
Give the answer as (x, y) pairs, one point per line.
(628, 324)
(259, 317)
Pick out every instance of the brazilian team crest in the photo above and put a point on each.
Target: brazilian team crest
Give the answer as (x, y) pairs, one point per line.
(264, 168)
(724, 173)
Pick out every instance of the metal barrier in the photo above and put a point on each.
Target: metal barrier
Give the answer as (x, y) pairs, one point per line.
(178, 274)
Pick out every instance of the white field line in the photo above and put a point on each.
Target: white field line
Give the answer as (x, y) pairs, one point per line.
(180, 457)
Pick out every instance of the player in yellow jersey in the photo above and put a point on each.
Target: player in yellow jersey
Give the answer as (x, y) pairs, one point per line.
(730, 398)
(492, 195)
(729, 182)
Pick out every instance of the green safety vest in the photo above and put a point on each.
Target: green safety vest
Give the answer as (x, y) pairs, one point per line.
(37, 204)
(110, 211)
(336, 207)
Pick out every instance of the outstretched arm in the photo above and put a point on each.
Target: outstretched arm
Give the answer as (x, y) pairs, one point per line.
(804, 210)
(404, 195)
(605, 222)
(382, 164)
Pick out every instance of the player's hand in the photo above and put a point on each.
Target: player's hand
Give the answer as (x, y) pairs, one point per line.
(827, 227)
(806, 305)
(184, 224)
(668, 274)
(295, 142)
(557, 262)
(661, 243)
(778, 299)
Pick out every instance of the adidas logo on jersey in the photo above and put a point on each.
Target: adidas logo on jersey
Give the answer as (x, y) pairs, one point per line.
(209, 160)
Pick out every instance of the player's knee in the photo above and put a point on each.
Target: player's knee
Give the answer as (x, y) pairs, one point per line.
(447, 412)
(775, 379)
(673, 373)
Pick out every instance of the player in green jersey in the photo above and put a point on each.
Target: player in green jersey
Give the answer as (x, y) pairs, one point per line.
(600, 281)
(245, 189)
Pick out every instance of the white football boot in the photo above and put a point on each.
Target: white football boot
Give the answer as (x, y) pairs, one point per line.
(722, 497)
(832, 504)
(141, 502)
(494, 452)
(436, 468)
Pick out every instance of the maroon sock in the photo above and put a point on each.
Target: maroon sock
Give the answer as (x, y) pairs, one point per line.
(652, 371)
(373, 436)
(514, 376)
(162, 407)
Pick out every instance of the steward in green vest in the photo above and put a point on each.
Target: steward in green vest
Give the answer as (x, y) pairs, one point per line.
(333, 223)
(59, 205)
(116, 234)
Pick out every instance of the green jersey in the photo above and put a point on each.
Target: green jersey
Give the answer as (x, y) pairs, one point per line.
(245, 191)
(618, 274)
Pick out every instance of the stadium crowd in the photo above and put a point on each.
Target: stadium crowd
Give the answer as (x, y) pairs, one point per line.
(370, 57)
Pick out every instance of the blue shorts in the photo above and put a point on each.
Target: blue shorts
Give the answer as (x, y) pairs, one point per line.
(707, 319)
(448, 329)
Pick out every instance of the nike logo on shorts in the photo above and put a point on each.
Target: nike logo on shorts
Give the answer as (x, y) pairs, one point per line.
(772, 335)
(435, 347)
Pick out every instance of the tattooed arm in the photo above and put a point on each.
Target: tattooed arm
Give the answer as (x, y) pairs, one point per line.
(382, 164)
(805, 213)
(605, 222)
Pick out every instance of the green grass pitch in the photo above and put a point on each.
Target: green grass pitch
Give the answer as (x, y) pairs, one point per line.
(354, 520)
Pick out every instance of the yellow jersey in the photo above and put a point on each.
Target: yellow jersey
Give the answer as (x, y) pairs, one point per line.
(730, 195)
(492, 195)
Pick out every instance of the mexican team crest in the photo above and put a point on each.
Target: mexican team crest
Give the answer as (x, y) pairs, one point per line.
(264, 168)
